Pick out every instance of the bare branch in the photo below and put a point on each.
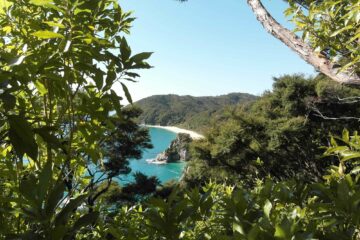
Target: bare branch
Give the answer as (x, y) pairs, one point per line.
(317, 113)
(349, 100)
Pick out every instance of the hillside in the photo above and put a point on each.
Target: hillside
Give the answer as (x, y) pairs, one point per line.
(187, 111)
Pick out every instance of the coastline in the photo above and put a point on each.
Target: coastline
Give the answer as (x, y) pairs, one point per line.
(194, 135)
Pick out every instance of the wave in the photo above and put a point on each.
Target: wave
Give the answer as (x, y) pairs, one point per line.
(153, 161)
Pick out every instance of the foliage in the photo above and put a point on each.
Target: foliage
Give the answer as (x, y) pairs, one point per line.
(289, 209)
(126, 142)
(279, 135)
(187, 111)
(142, 188)
(347, 153)
(331, 28)
(284, 210)
(59, 62)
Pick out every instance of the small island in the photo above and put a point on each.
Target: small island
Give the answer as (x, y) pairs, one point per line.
(177, 151)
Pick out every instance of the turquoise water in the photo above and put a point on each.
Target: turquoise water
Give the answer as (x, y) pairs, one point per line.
(161, 139)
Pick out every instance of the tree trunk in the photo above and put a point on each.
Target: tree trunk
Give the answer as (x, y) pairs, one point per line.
(321, 63)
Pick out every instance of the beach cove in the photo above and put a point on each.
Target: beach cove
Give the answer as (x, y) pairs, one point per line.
(161, 139)
(194, 135)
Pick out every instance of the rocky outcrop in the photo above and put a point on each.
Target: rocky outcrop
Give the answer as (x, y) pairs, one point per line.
(177, 151)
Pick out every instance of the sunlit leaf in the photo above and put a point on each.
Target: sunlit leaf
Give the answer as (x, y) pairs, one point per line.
(47, 34)
(41, 2)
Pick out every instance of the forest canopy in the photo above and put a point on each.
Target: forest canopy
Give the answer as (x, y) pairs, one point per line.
(189, 112)
(281, 134)
(282, 167)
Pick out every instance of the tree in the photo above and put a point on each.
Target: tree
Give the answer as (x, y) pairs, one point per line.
(279, 135)
(59, 61)
(126, 141)
(142, 186)
(329, 35)
(329, 31)
(271, 210)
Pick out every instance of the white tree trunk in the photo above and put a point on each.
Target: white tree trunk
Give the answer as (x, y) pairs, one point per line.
(322, 64)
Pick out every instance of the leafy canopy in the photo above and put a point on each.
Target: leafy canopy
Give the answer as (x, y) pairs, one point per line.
(59, 61)
(331, 28)
(281, 134)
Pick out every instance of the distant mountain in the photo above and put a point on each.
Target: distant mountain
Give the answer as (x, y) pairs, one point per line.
(187, 111)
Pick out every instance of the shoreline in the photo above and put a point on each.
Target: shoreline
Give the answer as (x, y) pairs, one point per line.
(153, 161)
(194, 135)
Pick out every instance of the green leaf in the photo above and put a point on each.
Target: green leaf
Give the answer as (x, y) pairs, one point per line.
(267, 208)
(54, 24)
(47, 34)
(341, 30)
(22, 137)
(124, 50)
(40, 87)
(283, 230)
(4, 6)
(78, 10)
(333, 142)
(41, 2)
(127, 93)
(280, 232)
(356, 170)
(345, 136)
(132, 75)
(238, 228)
(99, 79)
(45, 178)
(141, 56)
(351, 155)
(110, 77)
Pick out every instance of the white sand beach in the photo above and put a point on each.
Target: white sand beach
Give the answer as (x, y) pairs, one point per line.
(194, 135)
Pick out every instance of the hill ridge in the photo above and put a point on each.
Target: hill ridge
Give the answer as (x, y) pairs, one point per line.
(187, 111)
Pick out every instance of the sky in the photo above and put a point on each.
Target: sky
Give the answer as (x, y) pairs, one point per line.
(207, 48)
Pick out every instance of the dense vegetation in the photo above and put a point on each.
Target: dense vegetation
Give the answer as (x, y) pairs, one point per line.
(284, 210)
(60, 147)
(278, 135)
(187, 111)
(59, 62)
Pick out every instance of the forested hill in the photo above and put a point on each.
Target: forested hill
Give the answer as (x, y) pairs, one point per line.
(187, 111)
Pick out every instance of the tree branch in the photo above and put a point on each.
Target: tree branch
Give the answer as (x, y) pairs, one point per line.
(349, 100)
(317, 113)
(320, 62)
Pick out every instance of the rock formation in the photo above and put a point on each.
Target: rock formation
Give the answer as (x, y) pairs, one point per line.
(177, 151)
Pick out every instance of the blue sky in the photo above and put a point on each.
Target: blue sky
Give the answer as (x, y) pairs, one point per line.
(207, 47)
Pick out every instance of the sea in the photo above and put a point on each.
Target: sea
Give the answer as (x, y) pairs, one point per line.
(160, 139)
